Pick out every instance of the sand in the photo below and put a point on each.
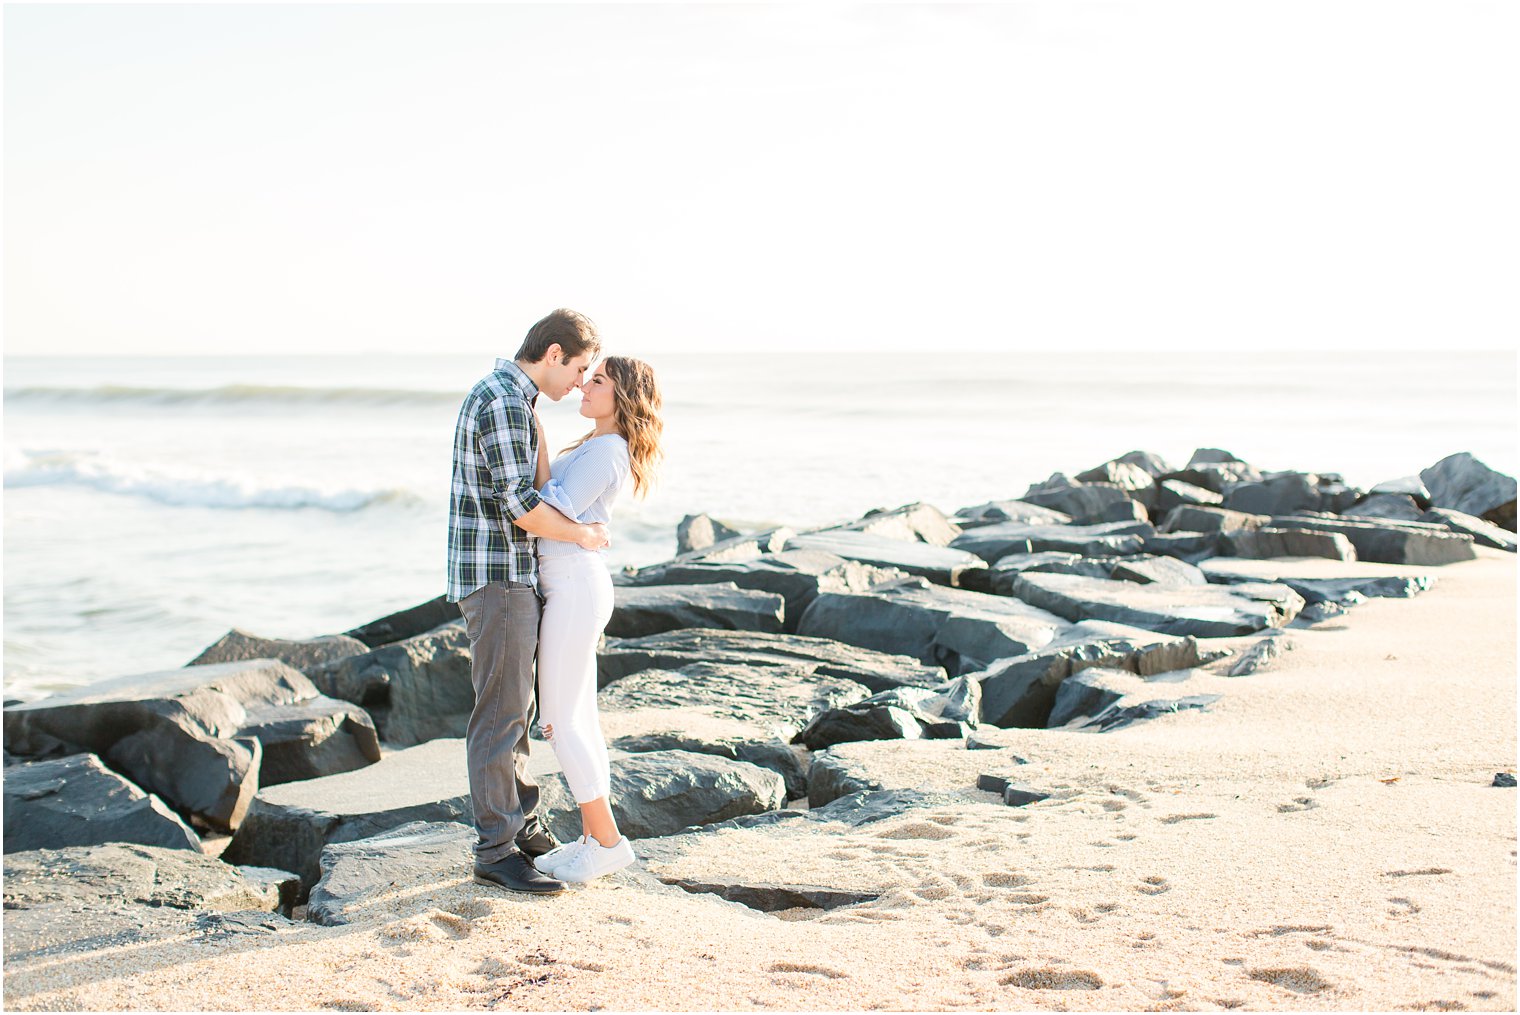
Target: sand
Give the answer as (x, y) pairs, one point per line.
(1325, 837)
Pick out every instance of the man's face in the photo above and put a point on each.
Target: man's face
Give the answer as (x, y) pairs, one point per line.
(563, 376)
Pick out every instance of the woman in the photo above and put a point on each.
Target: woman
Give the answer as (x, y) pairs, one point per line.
(623, 400)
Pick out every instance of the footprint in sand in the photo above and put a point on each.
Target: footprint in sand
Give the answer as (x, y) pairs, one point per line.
(1299, 979)
(1423, 871)
(1052, 978)
(1403, 906)
(917, 830)
(1127, 837)
(1153, 885)
(804, 967)
(1301, 803)
(1004, 879)
(1172, 819)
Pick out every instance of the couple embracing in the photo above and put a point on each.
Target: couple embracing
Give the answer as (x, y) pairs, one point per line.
(526, 543)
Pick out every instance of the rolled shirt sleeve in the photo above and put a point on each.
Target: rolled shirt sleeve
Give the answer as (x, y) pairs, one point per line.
(603, 467)
(508, 443)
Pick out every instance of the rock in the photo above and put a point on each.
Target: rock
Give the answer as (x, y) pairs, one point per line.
(77, 801)
(1153, 464)
(1270, 541)
(237, 645)
(1084, 695)
(118, 874)
(1318, 613)
(997, 511)
(1504, 779)
(641, 610)
(1389, 542)
(957, 628)
(738, 548)
(1385, 505)
(1463, 483)
(1074, 498)
(768, 897)
(287, 826)
(913, 523)
(1190, 518)
(781, 698)
(360, 878)
(796, 575)
(313, 738)
(1189, 546)
(674, 650)
(1147, 570)
(1483, 533)
(1347, 591)
(1172, 493)
(1137, 482)
(406, 623)
(775, 754)
(1099, 700)
(1282, 493)
(994, 542)
(1258, 655)
(699, 532)
(940, 564)
(833, 777)
(1335, 497)
(903, 713)
(663, 792)
(1121, 715)
(175, 733)
(1018, 795)
(1119, 511)
(1203, 611)
(417, 689)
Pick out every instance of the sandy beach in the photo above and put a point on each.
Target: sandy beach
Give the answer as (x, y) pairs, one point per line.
(1325, 837)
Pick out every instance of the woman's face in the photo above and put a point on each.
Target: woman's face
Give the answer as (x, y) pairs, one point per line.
(596, 395)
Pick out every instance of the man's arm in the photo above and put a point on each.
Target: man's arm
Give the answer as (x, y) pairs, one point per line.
(544, 520)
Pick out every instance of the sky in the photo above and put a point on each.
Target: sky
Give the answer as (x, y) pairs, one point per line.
(346, 179)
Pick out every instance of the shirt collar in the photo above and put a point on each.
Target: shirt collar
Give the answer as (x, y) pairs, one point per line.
(515, 374)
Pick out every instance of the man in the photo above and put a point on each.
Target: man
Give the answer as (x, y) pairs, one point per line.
(494, 516)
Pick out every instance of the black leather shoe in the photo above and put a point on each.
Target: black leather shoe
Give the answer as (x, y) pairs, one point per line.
(536, 843)
(516, 873)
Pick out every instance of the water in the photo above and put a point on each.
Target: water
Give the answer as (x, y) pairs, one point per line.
(151, 504)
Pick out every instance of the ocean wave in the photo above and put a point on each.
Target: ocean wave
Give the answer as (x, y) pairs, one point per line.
(187, 489)
(229, 395)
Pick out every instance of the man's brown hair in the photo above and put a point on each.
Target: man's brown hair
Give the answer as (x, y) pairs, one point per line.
(572, 332)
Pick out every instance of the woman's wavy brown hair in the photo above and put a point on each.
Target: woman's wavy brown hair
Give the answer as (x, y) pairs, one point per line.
(636, 405)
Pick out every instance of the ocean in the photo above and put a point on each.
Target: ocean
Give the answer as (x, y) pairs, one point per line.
(151, 504)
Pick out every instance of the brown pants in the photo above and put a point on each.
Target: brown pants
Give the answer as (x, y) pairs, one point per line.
(501, 620)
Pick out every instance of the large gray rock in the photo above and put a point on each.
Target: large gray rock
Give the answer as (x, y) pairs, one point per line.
(1152, 570)
(175, 733)
(833, 776)
(1099, 700)
(1389, 542)
(360, 878)
(673, 650)
(1199, 518)
(940, 564)
(778, 697)
(640, 610)
(1172, 493)
(1270, 541)
(994, 542)
(773, 753)
(1075, 498)
(959, 629)
(237, 645)
(996, 511)
(1463, 483)
(417, 689)
(121, 874)
(796, 575)
(903, 713)
(913, 523)
(1345, 591)
(1135, 480)
(1088, 693)
(1189, 546)
(310, 739)
(1128, 511)
(699, 532)
(77, 801)
(1283, 493)
(663, 792)
(1483, 533)
(1202, 611)
(1020, 692)
(406, 623)
(1398, 506)
(287, 826)
(737, 548)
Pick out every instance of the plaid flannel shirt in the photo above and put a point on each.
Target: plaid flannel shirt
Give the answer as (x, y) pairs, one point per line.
(495, 453)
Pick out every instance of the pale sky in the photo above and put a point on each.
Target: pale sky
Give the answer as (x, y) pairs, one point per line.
(338, 179)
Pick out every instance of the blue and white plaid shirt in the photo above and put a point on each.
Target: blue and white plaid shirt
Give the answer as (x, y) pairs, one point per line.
(495, 454)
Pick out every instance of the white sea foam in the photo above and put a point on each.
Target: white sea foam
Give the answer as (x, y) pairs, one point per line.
(183, 487)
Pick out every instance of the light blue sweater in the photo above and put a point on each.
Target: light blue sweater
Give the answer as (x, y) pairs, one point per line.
(583, 484)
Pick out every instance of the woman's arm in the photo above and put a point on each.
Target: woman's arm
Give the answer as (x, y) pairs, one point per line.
(601, 468)
(541, 470)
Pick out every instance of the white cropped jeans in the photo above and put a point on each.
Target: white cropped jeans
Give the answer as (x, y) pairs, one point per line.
(577, 593)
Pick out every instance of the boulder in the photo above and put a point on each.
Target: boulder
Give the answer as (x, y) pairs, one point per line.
(1282, 493)
(1203, 611)
(997, 511)
(305, 656)
(777, 697)
(940, 564)
(1463, 483)
(833, 777)
(1136, 481)
(1335, 497)
(1074, 498)
(1173, 493)
(737, 548)
(310, 739)
(1263, 651)
(956, 628)
(1346, 591)
(663, 792)
(773, 753)
(913, 523)
(1483, 533)
(1189, 546)
(903, 713)
(1194, 518)
(360, 878)
(641, 610)
(1099, 700)
(1410, 486)
(673, 650)
(993, 542)
(287, 826)
(796, 575)
(406, 623)
(1119, 511)
(699, 532)
(77, 801)
(1150, 570)
(417, 689)
(1397, 506)
(175, 733)
(1389, 542)
(1002, 574)
(125, 874)
(1271, 541)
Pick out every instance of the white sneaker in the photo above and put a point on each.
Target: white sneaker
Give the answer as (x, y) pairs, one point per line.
(593, 860)
(558, 856)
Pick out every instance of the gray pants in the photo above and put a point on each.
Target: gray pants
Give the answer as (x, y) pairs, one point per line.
(502, 622)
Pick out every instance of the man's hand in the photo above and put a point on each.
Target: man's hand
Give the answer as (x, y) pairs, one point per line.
(594, 536)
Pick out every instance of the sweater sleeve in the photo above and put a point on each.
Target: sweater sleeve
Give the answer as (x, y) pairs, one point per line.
(598, 472)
